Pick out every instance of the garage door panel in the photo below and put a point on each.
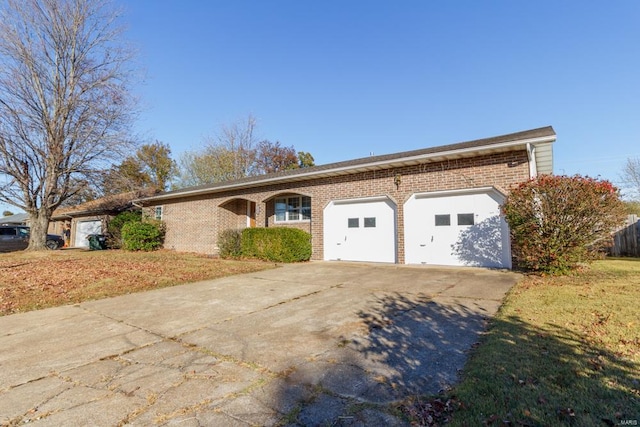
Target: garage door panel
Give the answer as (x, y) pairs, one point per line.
(360, 231)
(84, 229)
(463, 229)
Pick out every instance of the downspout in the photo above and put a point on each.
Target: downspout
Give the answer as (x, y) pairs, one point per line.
(531, 154)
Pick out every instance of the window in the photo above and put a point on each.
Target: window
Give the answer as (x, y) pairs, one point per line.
(353, 222)
(9, 231)
(370, 222)
(296, 208)
(157, 213)
(442, 220)
(465, 219)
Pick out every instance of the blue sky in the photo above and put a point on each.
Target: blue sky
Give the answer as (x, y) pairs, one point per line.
(342, 79)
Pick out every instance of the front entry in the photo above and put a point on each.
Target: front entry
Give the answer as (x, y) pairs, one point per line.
(251, 214)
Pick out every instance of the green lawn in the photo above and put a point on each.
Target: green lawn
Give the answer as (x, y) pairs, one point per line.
(561, 351)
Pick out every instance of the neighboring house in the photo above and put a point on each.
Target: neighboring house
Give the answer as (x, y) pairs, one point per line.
(17, 219)
(437, 205)
(90, 217)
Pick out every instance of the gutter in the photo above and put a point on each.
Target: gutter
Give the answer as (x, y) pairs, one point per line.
(533, 167)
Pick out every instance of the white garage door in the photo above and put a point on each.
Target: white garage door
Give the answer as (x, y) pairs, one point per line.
(83, 229)
(360, 230)
(461, 227)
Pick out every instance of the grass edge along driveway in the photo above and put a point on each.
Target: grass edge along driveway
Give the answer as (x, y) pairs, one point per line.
(560, 351)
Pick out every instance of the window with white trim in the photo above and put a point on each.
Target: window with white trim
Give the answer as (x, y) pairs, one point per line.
(295, 208)
(157, 213)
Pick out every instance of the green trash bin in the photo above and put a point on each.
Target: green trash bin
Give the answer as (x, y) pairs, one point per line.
(97, 242)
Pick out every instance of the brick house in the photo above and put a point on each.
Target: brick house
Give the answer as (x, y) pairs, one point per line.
(436, 205)
(91, 217)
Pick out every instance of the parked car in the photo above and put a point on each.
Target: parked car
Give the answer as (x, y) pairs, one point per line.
(16, 238)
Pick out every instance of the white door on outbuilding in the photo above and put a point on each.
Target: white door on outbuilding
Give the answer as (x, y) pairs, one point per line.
(360, 230)
(84, 229)
(460, 227)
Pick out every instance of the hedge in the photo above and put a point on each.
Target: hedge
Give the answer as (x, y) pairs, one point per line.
(114, 228)
(277, 244)
(142, 236)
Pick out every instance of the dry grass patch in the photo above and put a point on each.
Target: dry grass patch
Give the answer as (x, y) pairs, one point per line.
(35, 280)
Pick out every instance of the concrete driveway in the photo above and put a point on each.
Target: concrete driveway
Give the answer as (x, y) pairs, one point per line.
(304, 344)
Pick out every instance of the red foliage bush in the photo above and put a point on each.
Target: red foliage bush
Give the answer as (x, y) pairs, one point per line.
(557, 222)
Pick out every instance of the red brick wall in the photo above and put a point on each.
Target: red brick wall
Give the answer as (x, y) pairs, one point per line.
(193, 223)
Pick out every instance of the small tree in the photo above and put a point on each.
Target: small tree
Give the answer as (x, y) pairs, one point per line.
(557, 222)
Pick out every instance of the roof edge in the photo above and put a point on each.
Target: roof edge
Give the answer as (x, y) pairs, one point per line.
(509, 141)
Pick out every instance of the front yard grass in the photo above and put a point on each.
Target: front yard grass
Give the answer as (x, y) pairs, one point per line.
(561, 351)
(35, 280)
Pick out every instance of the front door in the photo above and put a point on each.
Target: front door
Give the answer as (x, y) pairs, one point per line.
(251, 214)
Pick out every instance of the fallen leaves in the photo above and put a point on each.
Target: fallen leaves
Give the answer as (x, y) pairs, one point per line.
(30, 281)
(431, 412)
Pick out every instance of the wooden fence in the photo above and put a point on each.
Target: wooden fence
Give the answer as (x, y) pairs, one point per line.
(626, 241)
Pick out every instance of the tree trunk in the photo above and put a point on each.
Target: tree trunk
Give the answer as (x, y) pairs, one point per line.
(38, 224)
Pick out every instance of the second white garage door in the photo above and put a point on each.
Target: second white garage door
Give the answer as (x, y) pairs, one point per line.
(360, 230)
(461, 227)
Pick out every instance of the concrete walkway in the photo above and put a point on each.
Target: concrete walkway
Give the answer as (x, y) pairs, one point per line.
(304, 344)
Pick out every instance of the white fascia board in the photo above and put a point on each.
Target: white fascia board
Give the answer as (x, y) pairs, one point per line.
(458, 192)
(362, 200)
(375, 165)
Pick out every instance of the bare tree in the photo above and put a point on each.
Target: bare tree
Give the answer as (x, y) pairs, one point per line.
(64, 102)
(213, 164)
(631, 177)
(234, 153)
(230, 154)
(239, 140)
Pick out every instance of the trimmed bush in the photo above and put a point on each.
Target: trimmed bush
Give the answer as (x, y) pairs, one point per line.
(229, 243)
(558, 222)
(114, 228)
(277, 244)
(142, 236)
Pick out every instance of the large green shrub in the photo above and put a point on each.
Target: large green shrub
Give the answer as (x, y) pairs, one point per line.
(558, 222)
(229, 243)
(142, 236)
(114, 228)
(276, 244)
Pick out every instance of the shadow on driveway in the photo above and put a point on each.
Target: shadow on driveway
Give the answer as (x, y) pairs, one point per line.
(407, 345)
